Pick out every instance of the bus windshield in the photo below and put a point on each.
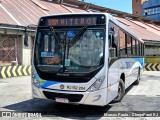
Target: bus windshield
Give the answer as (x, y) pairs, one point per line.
(69, 50)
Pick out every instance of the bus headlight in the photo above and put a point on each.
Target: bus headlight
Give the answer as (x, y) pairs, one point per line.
(96, 85)
(36, 82)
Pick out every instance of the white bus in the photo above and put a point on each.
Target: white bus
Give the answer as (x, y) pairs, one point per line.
(85, 58)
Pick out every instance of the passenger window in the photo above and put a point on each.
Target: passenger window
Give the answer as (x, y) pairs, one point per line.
(134, 48)
(140, 49)
(122, 44)
(137, 44)
(113, 41)
(129, 45)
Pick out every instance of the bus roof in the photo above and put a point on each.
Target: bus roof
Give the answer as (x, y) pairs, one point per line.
(125, 28)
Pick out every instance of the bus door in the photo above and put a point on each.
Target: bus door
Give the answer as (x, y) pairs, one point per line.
(113, 71)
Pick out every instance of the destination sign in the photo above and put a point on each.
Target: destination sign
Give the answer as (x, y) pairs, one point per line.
(81, 21)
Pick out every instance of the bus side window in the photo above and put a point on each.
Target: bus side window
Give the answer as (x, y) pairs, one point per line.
(112, 46)
(134, 49)
(113, 39)
(140, 49)
(122, 44)
(137, 44)
(129, 45)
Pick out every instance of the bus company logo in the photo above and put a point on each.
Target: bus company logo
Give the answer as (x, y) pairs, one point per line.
(62, 86)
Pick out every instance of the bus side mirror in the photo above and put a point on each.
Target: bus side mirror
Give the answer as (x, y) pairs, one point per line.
(112, 52)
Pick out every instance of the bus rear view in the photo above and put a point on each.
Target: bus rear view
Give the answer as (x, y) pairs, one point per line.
(70, 60)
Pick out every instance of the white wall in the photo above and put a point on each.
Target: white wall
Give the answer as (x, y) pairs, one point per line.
(26, 52)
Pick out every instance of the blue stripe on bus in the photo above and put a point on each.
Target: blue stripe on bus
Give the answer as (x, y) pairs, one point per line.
(141, 61)
(37, 77)
(46, 83)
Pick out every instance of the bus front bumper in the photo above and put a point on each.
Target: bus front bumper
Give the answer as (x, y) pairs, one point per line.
(97, 98)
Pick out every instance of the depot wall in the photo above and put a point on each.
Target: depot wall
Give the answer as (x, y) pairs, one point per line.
(13, 47)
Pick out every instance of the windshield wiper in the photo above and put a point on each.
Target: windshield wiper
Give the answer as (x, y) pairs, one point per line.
(54, 34)
(76, 38)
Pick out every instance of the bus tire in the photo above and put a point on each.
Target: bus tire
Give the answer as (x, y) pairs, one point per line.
(121, 91)
(138, 78)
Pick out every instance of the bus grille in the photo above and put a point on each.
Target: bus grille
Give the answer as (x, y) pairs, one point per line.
(70, 97)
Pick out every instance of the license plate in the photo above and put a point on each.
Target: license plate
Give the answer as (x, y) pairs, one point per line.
(62, 100)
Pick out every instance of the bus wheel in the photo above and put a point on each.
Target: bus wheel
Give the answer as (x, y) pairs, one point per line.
(121, 91)
(138, 78)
